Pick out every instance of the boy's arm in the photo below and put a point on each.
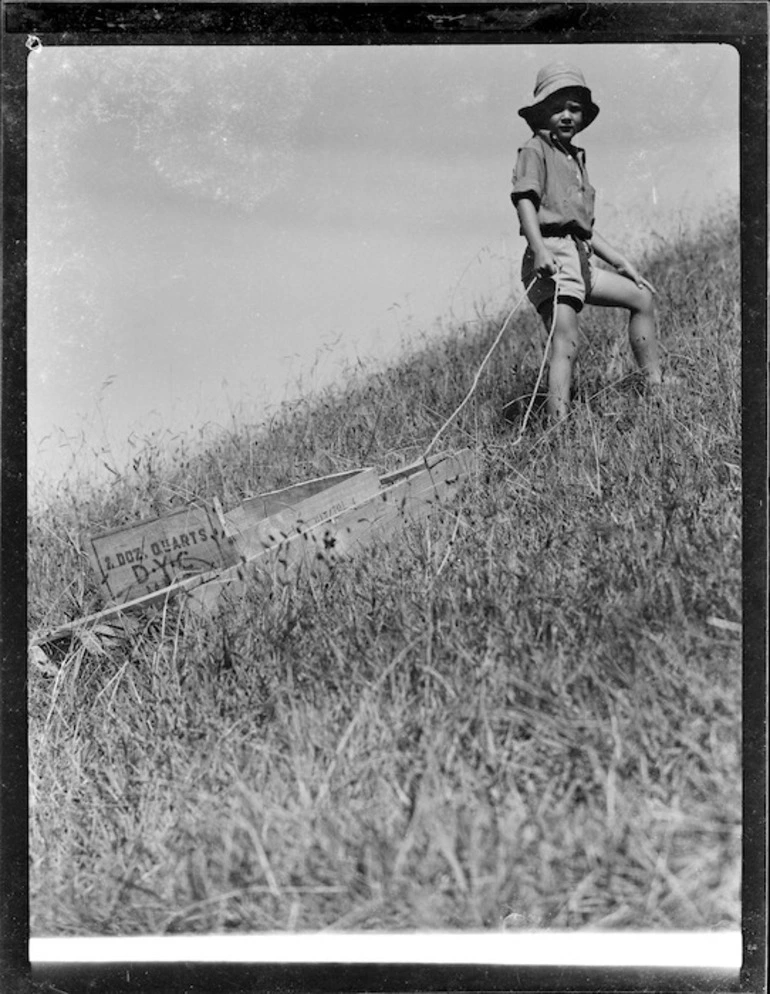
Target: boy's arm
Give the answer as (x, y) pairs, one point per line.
(545, 262)
(611, 255)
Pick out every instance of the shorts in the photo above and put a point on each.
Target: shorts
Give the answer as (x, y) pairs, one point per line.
(576, 277)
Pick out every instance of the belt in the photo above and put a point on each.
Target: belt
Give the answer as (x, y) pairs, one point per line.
(564, 231)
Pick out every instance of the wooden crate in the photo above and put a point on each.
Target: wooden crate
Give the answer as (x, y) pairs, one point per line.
(157, 552)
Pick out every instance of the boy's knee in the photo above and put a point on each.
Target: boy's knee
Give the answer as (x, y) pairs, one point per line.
(643, 302)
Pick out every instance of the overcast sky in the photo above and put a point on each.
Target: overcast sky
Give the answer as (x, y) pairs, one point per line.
(210, 225)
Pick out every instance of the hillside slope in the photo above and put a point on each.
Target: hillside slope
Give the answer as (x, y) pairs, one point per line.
(538, 724)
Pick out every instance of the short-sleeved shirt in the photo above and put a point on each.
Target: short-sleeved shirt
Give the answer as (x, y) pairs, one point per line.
(556, 179)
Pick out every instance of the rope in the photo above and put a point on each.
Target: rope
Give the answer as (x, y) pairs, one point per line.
(542, 367)
(485, 360)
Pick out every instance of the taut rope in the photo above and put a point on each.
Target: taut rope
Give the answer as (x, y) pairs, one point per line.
(485, 360)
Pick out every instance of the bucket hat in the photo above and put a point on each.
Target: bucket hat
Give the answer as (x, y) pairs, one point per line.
(552, 78)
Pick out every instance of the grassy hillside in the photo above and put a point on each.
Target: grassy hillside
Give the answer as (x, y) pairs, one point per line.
(537, 725)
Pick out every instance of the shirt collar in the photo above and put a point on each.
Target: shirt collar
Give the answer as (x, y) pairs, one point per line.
(550, 139)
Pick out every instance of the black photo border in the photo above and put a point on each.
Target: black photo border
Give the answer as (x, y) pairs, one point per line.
(743, 25)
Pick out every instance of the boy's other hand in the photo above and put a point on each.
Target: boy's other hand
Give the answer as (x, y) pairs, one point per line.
(632, 273)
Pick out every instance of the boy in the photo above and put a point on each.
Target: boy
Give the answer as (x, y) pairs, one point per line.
(555, 204)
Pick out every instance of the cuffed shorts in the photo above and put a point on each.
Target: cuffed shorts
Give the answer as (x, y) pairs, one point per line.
(576, 277)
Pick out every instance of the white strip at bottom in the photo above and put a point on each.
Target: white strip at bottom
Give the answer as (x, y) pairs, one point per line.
(675, 950)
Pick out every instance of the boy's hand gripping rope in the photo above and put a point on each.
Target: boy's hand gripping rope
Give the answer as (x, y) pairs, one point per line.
(486, 358)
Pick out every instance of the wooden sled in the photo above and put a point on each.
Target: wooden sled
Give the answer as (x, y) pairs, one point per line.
(311, 525)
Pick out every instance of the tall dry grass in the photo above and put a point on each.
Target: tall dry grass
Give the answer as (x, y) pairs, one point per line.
(537, 725)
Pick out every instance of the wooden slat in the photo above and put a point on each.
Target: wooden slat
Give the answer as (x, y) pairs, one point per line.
(409, 470)
(126, 607)
(275, 501)
(252, 533)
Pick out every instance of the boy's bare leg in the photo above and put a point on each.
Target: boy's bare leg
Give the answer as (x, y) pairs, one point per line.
(564, 347)
(643, 336)
(612, 290)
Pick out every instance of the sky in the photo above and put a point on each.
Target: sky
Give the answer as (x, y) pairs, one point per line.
(213, 230)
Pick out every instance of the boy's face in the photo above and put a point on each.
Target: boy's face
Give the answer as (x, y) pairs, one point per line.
(563, 114)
